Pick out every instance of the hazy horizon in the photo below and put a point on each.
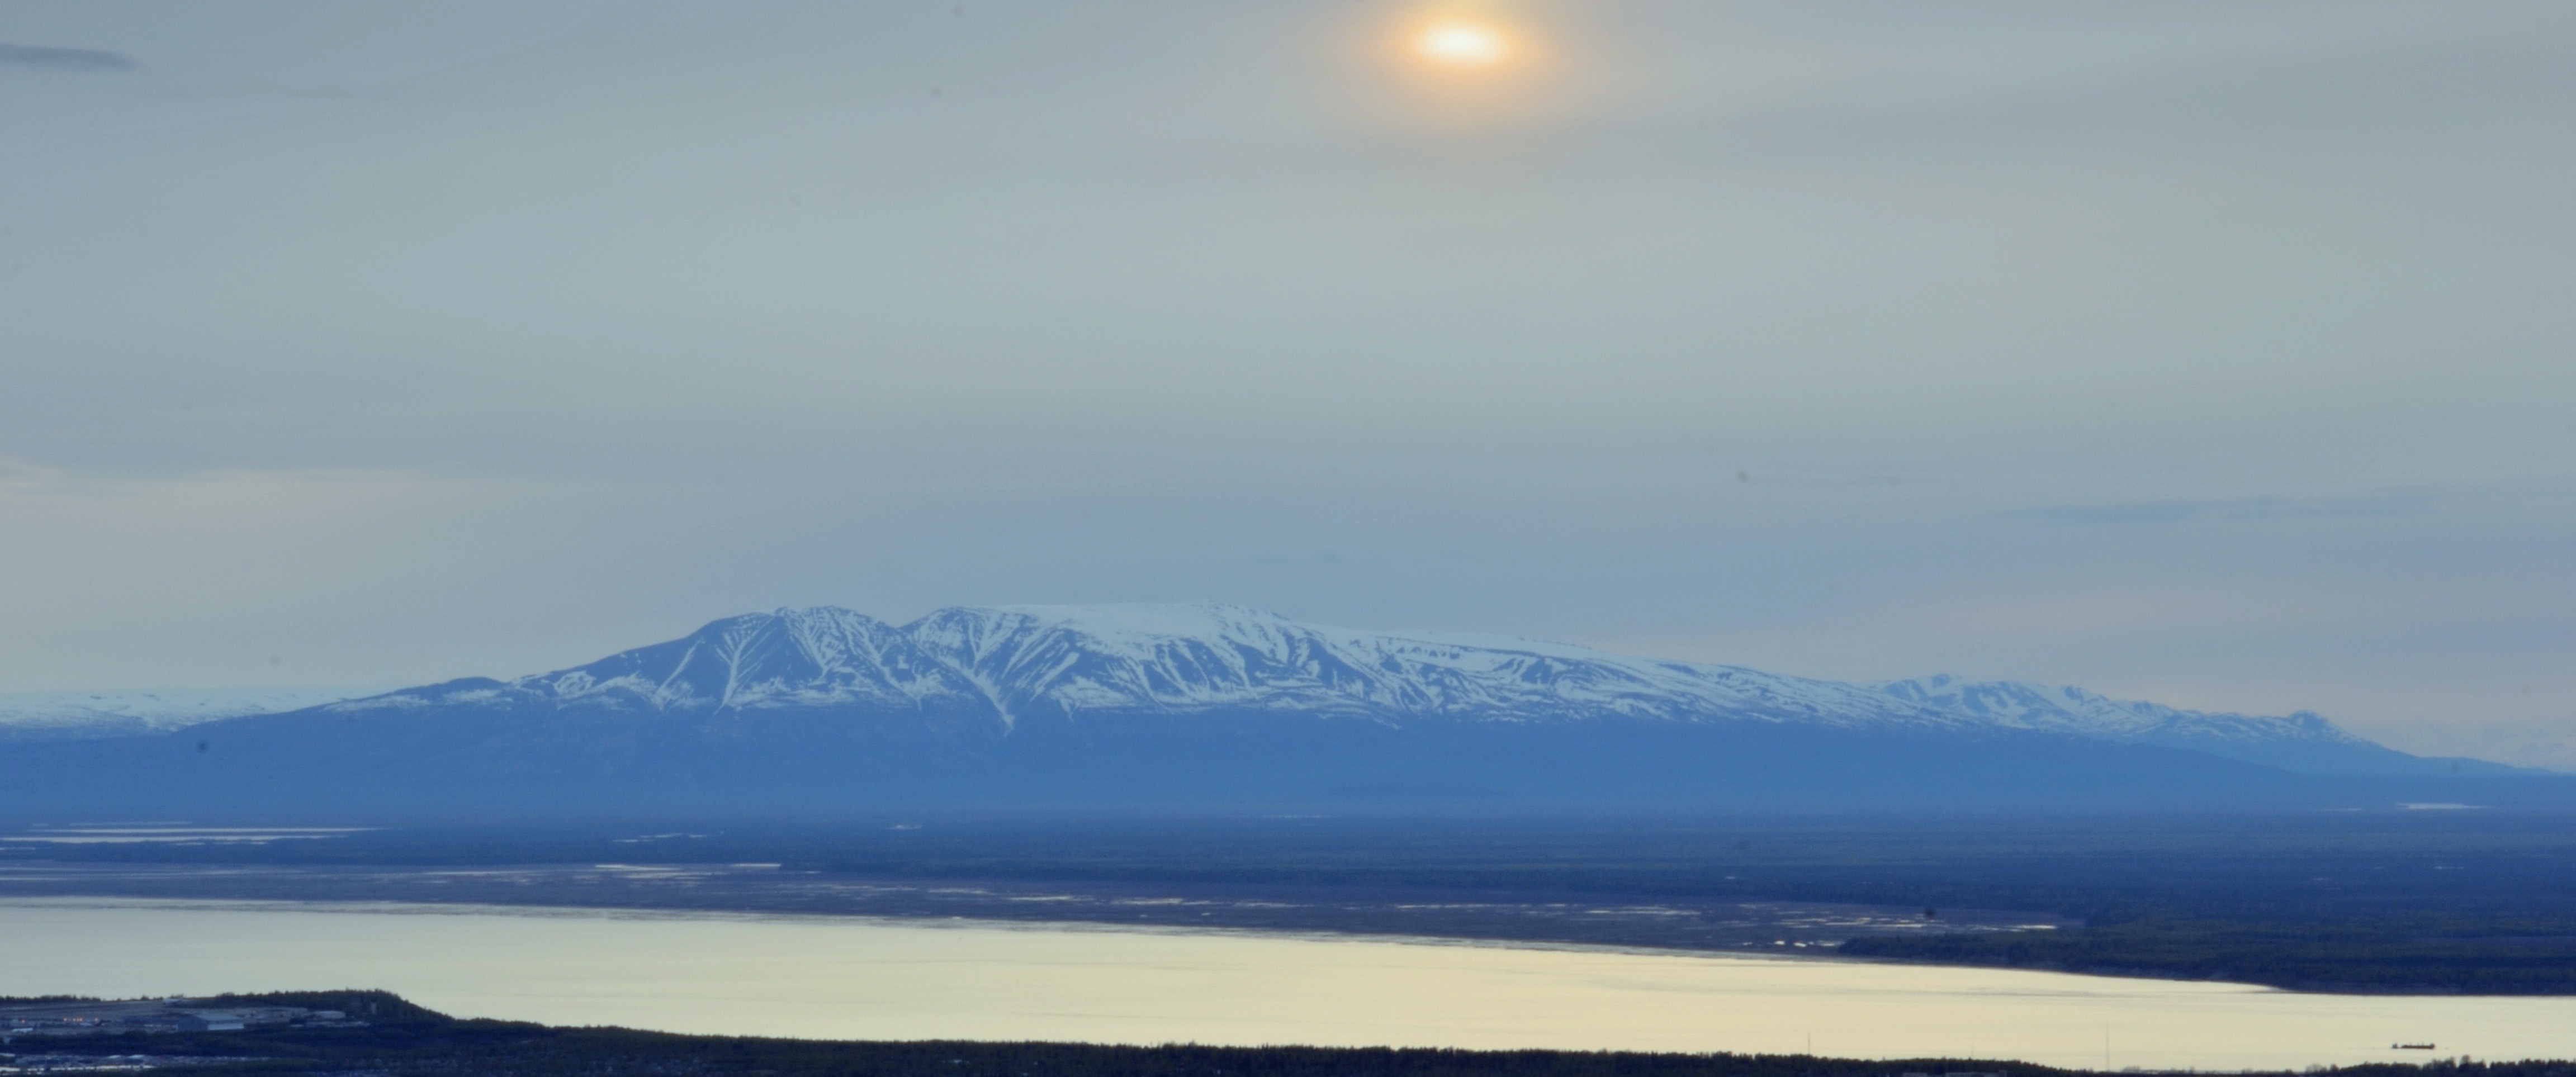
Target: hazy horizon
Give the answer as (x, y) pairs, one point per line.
(2208, 355)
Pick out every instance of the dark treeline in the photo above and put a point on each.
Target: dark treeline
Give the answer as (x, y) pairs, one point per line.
(2404, 954)
(408, 1041)
(2387, 901)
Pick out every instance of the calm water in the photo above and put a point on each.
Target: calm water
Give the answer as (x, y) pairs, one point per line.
(879, 979)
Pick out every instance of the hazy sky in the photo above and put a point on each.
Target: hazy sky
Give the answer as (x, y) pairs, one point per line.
(2211, 353)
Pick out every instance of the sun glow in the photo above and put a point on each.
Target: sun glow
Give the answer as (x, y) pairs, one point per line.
(1457, 43)
(1468, 65)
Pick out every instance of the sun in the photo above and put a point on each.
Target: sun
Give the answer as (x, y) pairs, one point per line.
(1468, 65)
(1463, 45)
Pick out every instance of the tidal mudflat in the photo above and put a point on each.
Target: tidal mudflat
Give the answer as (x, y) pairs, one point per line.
(860, 978)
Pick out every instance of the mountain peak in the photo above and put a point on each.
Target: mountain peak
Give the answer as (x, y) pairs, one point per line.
(1121, 620)
(989, 670)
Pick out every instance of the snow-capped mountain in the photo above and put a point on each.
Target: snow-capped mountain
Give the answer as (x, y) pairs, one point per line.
(2300, 741)
(66, 715)
(1196, 708)
(1067, 661)
(1000, 664)
(1211, 658)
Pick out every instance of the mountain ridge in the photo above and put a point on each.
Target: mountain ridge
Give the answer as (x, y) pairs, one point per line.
(1208, 707)
(90, 714)
(1205, 657)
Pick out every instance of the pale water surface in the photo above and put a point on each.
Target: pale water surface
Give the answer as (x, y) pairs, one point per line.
(848, 978)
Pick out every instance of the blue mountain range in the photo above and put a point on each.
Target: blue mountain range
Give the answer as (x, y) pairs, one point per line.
(1196, 706)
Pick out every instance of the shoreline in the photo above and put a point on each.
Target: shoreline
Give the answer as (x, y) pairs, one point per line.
(963, 923)
(1741, 928)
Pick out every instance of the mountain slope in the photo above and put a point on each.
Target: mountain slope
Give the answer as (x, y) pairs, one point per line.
(1194, 705)
(2302, 741)
(1003, 663)
(82, 715)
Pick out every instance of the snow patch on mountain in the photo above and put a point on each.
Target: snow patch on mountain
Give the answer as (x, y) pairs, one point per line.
(2022, 705)
(72, 715)
(1209, 657)
(1010, 662)
(2300, 741)
(791, 658)
(965, 670)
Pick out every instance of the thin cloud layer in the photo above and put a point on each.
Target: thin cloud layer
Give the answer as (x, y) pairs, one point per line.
(1850, 340)
(57, 59)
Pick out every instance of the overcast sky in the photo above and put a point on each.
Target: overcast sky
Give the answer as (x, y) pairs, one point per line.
(2217, 354)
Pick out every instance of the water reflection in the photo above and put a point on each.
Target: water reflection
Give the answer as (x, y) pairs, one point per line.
(878, 979)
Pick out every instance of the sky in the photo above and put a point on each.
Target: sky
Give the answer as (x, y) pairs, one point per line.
(2209, 353)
